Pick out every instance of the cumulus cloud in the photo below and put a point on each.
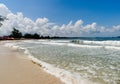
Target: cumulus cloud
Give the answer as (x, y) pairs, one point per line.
(4, 10)
(44, 27)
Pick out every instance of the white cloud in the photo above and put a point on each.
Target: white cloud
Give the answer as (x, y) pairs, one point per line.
(44, 27)
(4, 10)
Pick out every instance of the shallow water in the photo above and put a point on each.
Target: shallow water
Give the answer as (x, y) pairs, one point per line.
(98, 61)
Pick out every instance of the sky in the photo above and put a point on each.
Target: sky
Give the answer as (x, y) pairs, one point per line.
(65, 17)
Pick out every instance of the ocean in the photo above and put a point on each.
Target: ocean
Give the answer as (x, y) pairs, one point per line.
(76, 60)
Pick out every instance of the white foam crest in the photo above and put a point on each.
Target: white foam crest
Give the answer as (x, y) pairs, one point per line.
(91, 46)
(16, 47)
(65, 76)
(36, 40)
(53, 43)
(68, 44)
(31, 41)
(60, 41)
(112, 43)
(112, 47)
(97, 44)
(87, 46)
(11, 45)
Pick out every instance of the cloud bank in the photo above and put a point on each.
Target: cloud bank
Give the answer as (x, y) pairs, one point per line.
(43, 26)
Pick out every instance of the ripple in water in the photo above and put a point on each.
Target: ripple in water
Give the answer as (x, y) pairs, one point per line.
(98, 64)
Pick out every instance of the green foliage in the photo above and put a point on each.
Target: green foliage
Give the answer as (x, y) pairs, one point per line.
(36, 36)
(16, 34)
(27, 35)
(32, 36)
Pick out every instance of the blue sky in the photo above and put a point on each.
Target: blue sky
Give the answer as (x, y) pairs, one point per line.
(53, 17)
(103, 12)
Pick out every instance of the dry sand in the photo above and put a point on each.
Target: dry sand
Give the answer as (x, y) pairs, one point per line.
(15, 69)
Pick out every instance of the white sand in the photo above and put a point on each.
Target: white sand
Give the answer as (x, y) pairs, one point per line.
(15, 69)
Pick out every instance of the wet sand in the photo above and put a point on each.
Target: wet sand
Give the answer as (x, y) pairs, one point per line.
(16, 69)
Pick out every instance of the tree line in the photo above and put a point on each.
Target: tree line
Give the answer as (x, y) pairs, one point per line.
(16, 34)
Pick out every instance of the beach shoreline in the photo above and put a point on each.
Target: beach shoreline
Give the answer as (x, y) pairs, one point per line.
(33, 51)
(16, 69)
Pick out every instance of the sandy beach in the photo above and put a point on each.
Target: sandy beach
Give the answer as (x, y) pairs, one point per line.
(15, 69)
